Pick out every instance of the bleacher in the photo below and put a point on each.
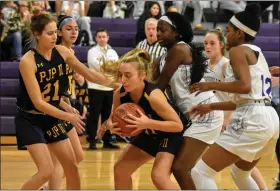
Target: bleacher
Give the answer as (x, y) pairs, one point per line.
(122, 33)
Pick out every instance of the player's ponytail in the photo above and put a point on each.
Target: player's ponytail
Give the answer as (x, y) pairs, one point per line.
(110, 69)
(198, 66)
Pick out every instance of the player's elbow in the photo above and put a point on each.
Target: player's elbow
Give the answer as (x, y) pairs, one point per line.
(245, 88)
(38, 104)
(178, 127)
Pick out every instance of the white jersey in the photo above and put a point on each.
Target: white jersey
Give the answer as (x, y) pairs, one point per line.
(260, 79)
(216, 74)
(179, 84)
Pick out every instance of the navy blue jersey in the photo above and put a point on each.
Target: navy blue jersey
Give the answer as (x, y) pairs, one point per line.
(50, 75)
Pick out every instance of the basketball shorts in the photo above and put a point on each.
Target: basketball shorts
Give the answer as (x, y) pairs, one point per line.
(252, 131)
(35, 128)
(208, 127)
(153, 144)
(68, 126)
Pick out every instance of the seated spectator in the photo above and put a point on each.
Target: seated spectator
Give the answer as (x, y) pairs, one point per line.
(153, 10)
(141, 6)
(100, 97)
(112, 10)
(234, 6)
(198, 11)
(150, 44)
(76, 9)
(44, 5)
(8, 8)
(172, 9)
(17, 31)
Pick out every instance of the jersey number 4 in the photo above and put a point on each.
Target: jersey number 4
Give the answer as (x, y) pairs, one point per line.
(266, 81)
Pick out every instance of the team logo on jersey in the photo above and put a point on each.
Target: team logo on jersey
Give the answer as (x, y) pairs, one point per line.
(237, 126)
(40, 65)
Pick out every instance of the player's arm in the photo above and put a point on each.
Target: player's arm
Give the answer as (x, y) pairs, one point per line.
(177, 55)
(73, 95)
(274, 70)
(108, 124)
(242, 84)
(207, 108)
(79, 67)
(27, 69)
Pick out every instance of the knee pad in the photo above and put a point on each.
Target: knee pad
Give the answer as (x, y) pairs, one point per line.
(202, 169)
(203, 176)
(237, 173)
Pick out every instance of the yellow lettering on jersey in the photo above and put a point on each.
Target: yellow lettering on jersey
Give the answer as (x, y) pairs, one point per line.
(82, 92)
(61, 128)
(67, 69)
(53, 72)
(49, 133)
(70, 78)
(49, 75)
(86, 100)
(153, 132)
(42, 76)
(56, 88)
(164, 143)
(60, 70)
(55, 131)
(46, 92)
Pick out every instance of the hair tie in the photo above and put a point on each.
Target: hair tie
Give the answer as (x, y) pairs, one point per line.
(242, 27)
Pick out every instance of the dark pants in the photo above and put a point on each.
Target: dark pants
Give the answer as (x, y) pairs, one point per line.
(100, 102)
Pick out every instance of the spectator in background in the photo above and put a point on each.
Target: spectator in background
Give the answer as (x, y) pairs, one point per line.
(198, 11)
(234, 6)
(16, 30)
(44, 5)
(100, 97)
(8, 8)
(141, 6)
(76, 9)
(112, 10)
(173, 9)
(150, 44)
(153, 10)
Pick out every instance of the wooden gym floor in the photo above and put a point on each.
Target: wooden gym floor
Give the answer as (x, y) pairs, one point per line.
(97, 169)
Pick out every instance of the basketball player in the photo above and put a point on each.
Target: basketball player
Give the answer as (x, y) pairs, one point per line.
(275, 70)
(181, 66)
(80, 91)
(38, 119)
(160, 123)
(254, 125)
(67, 36)
(214, 45)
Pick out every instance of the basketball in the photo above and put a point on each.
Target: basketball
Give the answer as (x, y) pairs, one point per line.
(121, 112)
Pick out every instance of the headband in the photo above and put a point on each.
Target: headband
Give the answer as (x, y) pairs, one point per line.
(242, 27)
(166, 19)
(64, 21)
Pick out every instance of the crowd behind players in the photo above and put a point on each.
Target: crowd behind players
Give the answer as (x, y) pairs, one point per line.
(15, 39)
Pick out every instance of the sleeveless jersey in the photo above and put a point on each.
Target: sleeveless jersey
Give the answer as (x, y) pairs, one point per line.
(260, 79)
(144, 103)
(179, 84)
(217, 75)
(67, 82)
(49, 75)
(82, 92)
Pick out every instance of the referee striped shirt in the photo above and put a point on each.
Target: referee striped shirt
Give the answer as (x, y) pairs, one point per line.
(155, 50)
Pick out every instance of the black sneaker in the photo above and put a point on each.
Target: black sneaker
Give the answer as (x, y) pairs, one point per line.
(92, 145)
(22, 148)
